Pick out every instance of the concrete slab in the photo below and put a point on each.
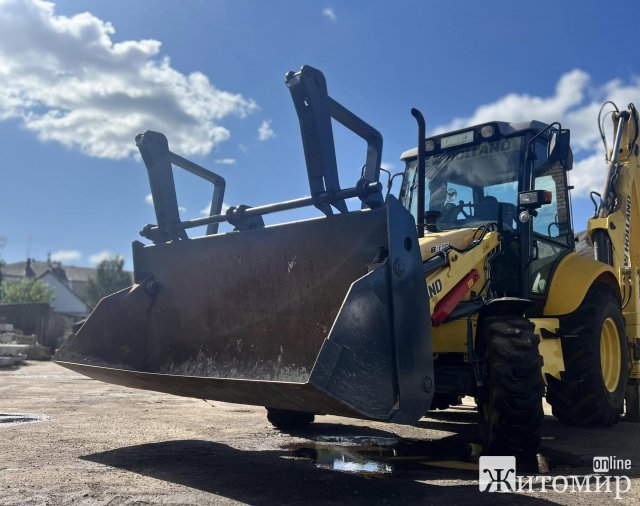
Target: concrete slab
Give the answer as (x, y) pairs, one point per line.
(38, 352)
(8, 361)
(13, 350)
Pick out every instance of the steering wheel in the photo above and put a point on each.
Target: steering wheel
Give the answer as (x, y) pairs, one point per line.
(454, 209)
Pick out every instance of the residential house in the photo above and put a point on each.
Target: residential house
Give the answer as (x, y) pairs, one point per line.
(68, 283)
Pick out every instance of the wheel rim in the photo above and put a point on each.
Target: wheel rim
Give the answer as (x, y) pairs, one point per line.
(610, 354)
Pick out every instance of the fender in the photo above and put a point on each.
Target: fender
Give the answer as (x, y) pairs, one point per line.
(572, 279)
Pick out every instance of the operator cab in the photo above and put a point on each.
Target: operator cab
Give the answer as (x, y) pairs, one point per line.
(473, 178)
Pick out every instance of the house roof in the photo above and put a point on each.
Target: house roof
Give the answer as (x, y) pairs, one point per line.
(71, 272)
(71, 276)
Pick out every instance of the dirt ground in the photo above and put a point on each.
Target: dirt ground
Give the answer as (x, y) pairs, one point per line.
(93, 443)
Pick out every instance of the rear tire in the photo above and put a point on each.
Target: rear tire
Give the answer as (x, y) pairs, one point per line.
(285, 419)
(591, 392)
(510, 404)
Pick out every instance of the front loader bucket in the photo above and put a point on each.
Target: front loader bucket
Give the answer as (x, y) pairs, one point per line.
(327, 316)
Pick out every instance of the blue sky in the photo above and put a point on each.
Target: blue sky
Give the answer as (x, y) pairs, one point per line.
(79, 79)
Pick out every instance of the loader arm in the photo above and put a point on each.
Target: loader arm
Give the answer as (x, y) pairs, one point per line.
(467, 266)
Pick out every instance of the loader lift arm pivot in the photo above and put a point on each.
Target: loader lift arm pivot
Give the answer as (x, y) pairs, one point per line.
(158, 159)
(315, 110)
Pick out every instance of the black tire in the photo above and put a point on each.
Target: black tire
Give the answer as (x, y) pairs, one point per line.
(582, 397)
(444, 401)
(510, 404)
(287, 420)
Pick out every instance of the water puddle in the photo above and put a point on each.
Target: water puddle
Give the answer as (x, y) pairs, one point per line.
(13, 419)
(376, 456)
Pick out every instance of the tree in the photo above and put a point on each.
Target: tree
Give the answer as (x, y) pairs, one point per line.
(3, 241)
(25, 290)
(110, 277)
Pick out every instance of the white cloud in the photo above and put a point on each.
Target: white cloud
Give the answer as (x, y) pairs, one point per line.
(575, 104)
(225, 161)
(514, 107)
(265, 132)
(387, 166)
(205, 211)
(66, 255)
(588, 174)
(328, 13)
(66, 79)
(105, 254)
(149, 200)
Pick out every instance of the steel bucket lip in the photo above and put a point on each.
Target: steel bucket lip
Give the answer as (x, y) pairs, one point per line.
(309, 397)
(73, 365)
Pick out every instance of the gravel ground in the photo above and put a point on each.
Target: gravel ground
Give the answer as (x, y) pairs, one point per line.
(93, 443)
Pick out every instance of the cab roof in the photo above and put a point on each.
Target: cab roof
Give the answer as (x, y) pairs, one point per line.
(504, 128)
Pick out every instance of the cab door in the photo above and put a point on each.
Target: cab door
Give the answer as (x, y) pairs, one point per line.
(551, 230)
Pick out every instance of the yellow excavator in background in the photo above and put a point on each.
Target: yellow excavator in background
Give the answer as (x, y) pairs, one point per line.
(467, 284)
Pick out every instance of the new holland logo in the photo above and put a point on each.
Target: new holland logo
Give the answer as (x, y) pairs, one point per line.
(627, 232)
(435, 288)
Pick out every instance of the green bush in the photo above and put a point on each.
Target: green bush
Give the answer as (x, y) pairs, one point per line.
(25, 290)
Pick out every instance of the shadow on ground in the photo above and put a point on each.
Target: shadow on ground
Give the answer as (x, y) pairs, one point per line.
(287, 476)
(318, 464)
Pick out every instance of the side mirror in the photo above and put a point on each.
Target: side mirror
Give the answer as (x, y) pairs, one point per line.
(559, 147)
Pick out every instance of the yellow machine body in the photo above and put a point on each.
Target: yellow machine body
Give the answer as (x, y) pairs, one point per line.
(572, 277)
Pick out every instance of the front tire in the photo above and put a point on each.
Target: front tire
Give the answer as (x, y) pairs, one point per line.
(591, 391)
(444, 401)
(288, 420)
(510, 404)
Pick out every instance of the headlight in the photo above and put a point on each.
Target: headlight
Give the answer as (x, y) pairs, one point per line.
(487, 131)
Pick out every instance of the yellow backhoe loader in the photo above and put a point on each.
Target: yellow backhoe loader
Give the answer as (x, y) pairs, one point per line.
(468, 284)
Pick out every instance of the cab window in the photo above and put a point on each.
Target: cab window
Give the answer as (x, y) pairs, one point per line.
(552, 226)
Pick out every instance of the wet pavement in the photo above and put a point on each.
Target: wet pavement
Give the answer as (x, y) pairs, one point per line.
(101, 444)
